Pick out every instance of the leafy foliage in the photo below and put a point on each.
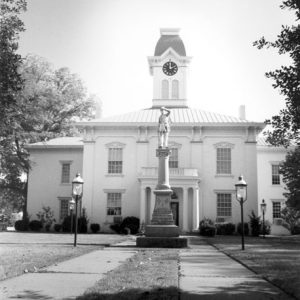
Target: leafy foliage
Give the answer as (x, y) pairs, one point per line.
(35, 225)
(290, 169)
(47, 105)
(95, 227)
(286, 125)
(291, 218)
(207, 227)
(255, 224)
(46, 217)
(225, 228)
(246, 228)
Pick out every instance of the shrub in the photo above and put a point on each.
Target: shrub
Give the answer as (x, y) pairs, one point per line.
(246, 228)
(131, 223)
(57, 227)
(95, 227)
(46, 217)
(291, 217)
(267, 227)
(207, 227)
(82, 224)
(35, 225)
(22, 225)
(116, 228)
(255, 224)
(225, 229)
(66, 224)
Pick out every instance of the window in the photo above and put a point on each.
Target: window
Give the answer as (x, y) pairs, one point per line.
(113, 204)
(223, 205)
(175, 89)
(65, 173)
(223, 160)
(173, 159)
(115, 161)
(276, 209)
(64, 208)
(165, 89)
(275, 174)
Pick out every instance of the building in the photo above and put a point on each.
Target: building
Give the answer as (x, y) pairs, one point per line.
(116, 156)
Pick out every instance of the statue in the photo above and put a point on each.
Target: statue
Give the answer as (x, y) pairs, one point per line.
(163, 127)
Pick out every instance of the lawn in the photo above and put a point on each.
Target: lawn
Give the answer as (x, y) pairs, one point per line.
(29, 252)
(149, 274)
(277, 259)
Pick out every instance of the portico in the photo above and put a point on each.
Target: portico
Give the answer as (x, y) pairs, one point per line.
(185, 199)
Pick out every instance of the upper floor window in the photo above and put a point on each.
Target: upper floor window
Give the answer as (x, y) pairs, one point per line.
(275, 174)
(276, 209)
(173, 159)
(224, 205)
(114, 206)
(224, 160)
(165, 89)
(65, 172)
(175, 89)
(115, 160)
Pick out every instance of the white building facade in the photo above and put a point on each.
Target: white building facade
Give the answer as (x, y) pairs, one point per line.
(116, 157)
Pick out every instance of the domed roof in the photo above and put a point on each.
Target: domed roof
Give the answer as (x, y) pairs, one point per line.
(169, 38)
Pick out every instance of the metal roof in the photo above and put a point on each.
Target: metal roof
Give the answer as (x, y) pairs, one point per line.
(60, 142)
(179, 116)
(167, 41)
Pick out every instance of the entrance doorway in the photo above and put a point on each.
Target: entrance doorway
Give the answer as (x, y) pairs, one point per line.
(175, 211)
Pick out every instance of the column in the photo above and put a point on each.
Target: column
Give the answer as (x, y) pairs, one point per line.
(185, 210)
(195, 209)
(152, 202)
(142, 205)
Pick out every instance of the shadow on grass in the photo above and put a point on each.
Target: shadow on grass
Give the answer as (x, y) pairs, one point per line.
(28, 294)
(239, 291)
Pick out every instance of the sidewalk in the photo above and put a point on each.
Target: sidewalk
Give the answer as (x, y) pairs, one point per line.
(66, 280)
(206, 273)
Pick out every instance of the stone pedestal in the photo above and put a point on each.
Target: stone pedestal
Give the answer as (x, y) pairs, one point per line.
(162, 232)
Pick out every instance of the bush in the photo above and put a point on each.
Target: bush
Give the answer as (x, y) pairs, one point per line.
(57, 227)
(130, 225)
(255, 224)
(291, 217)
(66, 224)
(82, 224)
(207, 227)
(22, 225)
(246, 228)
(46, 216)
(225, 229)
(95, 227)
(267, 227)
(35, 225)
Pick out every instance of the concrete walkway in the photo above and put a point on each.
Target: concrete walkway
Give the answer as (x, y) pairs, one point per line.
(66, 280)
(206, 273)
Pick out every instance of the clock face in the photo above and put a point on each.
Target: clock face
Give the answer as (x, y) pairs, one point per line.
(170, 68)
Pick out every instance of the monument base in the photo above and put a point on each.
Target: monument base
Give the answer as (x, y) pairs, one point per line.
(162, 231)
(161, 242)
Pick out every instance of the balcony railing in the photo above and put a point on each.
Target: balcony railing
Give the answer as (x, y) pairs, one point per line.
(147, 171)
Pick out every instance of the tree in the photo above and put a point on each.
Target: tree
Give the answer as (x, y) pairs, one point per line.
(286, 125)
(49, 103)
(291, 177)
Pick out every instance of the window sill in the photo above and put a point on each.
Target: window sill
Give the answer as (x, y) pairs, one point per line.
(276, 185)
(224, 175)
(114, 175)
(65, 184)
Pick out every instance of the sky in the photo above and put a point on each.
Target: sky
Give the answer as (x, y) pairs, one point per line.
(107, 42)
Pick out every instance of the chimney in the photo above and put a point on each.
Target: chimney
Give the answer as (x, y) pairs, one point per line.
(242, 112)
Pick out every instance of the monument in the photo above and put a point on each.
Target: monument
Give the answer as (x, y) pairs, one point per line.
(162, 232)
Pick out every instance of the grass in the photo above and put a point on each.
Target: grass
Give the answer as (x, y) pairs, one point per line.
(277, 259)
(149, 274)
(28, 252)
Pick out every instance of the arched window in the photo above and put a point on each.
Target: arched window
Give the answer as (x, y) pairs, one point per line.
(165, 89)
(175, 89)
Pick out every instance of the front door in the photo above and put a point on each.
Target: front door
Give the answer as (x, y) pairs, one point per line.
(175, 211)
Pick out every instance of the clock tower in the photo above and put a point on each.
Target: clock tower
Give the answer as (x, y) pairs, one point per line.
(168, 67)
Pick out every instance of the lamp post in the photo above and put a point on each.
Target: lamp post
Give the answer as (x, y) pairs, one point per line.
(241, 196)
(72, 204)
(263, 207)
(77, 189)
